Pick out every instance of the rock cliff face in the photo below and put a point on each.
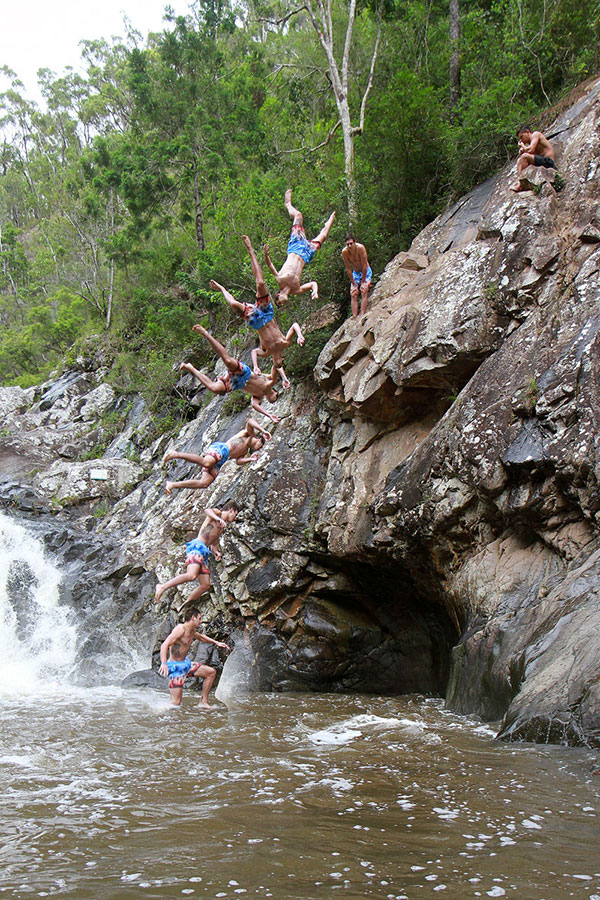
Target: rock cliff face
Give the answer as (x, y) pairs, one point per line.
(426, 516)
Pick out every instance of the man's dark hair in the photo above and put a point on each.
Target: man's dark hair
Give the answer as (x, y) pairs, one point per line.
(190, 612)
(350, 237)
(230, 504)
(522, 129)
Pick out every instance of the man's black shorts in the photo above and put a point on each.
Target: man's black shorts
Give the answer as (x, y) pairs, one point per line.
(545, 161)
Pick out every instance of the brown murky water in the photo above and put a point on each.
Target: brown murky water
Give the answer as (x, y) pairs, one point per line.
(110, 794)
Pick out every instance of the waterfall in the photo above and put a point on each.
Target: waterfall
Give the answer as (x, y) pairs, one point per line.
(38, 636)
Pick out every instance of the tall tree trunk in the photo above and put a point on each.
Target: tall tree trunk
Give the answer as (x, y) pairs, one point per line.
(454, 56)
(111, 277)
(323, 25)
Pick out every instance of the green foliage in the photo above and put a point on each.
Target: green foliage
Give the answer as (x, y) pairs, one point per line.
(131, 190)
(300, 361)
(234, 403)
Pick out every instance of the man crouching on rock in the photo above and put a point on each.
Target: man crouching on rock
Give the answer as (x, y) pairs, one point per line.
(178, 666)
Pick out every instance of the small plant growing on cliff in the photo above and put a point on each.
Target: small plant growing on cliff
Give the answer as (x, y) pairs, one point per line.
(532, 392)
(491, 291)
(234, 403)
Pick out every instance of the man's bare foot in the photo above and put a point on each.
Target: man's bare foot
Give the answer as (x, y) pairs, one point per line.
(517, 188)
(204, 704)
(169, 455)
(168, 488)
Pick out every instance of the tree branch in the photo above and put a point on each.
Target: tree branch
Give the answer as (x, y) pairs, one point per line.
(347, 44)
(284, 19)
(318, 147)
(363, 105)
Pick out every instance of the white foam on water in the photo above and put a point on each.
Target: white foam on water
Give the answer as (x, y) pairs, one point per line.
(350, 729)
(334, 737)
(37, 634)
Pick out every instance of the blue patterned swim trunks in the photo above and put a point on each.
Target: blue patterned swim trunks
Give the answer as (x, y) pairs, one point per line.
(179, 669)
(358, 276)
(197, 553)
(300, 245)
(220, 452)
(258, 314)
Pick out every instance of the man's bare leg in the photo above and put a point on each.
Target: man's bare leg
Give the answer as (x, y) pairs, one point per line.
(176, 695)
(526, 159)
(354, 300)
(217, 387)
(231, 363)
(189, 457)
(324, 230)
(364, 293)
(194, 483)
(233, 303)
(294, 213)
(262, 290)
(192, 572)
(203, 587)
(208, 674)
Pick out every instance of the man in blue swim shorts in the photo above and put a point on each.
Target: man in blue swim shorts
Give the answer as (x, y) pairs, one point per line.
(300, 251)
(259, 316)
(359, 273)
(239, 377)
(252, 438)
(178, 666)
(198, 550)
(534, 150)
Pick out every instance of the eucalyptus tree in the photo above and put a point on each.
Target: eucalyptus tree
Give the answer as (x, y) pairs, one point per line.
(333, 22)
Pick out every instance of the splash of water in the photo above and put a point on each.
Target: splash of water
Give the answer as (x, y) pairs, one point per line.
(235, 677)
(37, 635)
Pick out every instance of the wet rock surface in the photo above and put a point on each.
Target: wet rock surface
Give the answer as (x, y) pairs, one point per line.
(425, 518)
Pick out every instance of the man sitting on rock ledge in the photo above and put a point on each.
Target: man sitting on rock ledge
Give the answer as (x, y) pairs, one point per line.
(252, 438)
(534, 150)
(178, 666)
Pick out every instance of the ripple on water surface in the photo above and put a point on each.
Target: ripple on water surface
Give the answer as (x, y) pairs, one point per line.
(115, 795)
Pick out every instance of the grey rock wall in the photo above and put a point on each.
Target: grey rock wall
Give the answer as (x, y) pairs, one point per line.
(425, 518)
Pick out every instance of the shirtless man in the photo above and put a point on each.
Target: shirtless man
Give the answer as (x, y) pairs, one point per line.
(300, 251)
(239, 377)
(359, 273)
(198, 550)
(178, 666)
(260, 317)
(534, 150)
(215, 456)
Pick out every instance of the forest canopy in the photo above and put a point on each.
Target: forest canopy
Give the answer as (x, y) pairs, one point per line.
(131, 187)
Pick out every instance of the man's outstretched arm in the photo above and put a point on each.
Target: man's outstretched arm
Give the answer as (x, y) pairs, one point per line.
(268, 261)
